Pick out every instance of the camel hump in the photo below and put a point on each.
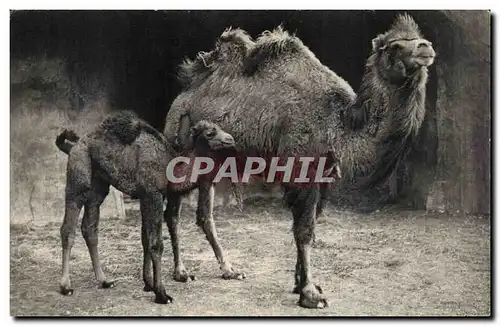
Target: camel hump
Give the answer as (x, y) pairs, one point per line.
(237, 37)
(231, 47)
(125, 125)
(273, 47)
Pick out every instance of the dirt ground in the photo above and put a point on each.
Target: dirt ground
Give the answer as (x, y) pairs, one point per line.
(382, 264)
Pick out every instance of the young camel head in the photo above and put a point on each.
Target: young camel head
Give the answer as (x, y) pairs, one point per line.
(203, 137)
(402, 52)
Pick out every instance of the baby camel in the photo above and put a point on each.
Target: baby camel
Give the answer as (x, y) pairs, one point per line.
(129, 154)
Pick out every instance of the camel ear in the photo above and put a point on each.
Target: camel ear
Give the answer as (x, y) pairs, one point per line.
(378, 43)
(184, 131)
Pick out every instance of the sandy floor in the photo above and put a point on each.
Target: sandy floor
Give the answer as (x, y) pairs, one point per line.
(388, 263)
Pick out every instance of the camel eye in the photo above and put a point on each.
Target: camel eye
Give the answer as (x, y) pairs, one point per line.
(210, 133)
(396, 47)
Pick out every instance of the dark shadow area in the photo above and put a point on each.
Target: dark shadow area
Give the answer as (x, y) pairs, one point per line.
(141, 50)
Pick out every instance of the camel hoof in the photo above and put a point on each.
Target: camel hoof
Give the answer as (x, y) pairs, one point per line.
(184, 277)
(297, 289)
(232, 275)
(311, 297)
(66, 291)
(108, 285)
(163, 298)
(147, 288)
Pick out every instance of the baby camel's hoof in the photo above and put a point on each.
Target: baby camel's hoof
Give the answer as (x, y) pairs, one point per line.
(66, 291)
(108, 285)
(163, 298)
(232, 275)
(147, 288)
(311, 297)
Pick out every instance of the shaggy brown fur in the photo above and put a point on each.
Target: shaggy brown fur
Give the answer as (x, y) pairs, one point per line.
(391, 102)
(278, 99)
(110, 155)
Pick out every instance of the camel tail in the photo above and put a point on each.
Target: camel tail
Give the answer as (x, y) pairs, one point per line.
(66, 140)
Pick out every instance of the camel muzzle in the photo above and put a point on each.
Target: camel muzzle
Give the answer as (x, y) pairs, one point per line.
(424, 55)
(228, 141)
(225, 140)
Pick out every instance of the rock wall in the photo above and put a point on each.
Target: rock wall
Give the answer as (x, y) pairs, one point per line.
(464, 111)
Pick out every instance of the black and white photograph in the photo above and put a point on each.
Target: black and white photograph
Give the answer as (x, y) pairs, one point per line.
(250, 163)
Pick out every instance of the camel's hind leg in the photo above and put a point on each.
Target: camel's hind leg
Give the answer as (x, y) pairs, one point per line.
(90, 228)
(171, 217)
(74, 203)
(147, 272)
(204, 219)
(78, 183)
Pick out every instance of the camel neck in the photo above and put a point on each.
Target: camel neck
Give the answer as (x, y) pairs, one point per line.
(391, 107)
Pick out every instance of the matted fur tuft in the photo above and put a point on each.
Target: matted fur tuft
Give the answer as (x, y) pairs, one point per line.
(405, 23)
(237, 36)
(403, 27)
(271, 45)
(191, 70)
(232, 43)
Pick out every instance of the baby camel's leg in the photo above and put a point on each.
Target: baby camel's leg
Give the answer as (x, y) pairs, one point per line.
(90, 228)
(74, 203)
(151, 211)
(171, 217)
(78, 183)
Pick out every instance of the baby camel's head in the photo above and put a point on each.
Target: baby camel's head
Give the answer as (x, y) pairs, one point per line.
(206, 135)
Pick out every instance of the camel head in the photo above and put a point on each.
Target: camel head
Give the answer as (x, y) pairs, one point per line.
(209, 135)
(402, 52)
(203, 136)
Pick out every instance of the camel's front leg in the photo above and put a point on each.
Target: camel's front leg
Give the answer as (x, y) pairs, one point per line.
(204, 219)
(151, 211)
(171, 217)
(304, 215)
